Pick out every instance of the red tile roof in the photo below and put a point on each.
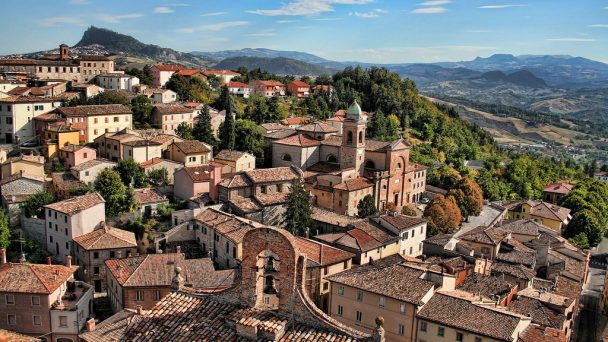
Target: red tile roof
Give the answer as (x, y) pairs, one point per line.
(298, 120)
(299, 84)
(320, 253)
(77, 204)
(33, 278)
(271, 83)
(188, 72)
(299, 140)
(317, 127)
(162, 67)
(274, 174)
(559, 188)
(237, 85)
(145, 196)
(486, 235)
(192, 146)
(200, 173)
(89, 110)
(106, 237)
(354, 184)
(402, 222)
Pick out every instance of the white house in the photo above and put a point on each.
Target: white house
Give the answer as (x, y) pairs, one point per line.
(117, 81)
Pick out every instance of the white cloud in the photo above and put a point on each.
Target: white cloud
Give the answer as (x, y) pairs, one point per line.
(262, 34)
(599, 26)
(500, 6)
(567, 39)
(307, 7)
(430, 10)
(117, 18)
(375, 13)
(163, 10)
(52, 21)
(213, 27)
(435, 3)
(213, 14)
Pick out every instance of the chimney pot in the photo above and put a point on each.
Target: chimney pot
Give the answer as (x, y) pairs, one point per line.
(3, 256)
(178, 249)
(91, 324)
(139, 309)
(68, 261)
(48, 260)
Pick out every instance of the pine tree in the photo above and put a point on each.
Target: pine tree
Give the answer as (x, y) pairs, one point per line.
(366, 207)
(299, 209)
(202, 130)
(227, 131)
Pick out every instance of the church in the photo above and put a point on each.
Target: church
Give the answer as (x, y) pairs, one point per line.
(340, 170)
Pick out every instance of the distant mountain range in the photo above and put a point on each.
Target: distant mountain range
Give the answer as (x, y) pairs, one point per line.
(261, 53)
(277, 65)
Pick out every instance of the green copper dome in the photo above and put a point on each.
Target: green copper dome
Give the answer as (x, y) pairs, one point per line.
(354, 109)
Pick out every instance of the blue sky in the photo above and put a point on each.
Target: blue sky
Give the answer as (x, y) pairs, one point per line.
(381, 31)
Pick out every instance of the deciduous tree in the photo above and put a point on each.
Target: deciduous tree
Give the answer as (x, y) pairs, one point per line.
(366, 207)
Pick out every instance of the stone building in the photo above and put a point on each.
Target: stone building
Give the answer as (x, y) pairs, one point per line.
(341, 170)
(92, 249)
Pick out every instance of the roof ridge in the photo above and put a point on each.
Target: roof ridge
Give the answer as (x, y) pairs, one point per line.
(38, 277)
(135, 270)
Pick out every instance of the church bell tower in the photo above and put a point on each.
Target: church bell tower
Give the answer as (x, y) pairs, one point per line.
(353, 138)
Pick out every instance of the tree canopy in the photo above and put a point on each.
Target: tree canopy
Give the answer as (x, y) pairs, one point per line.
(299, 209)
(443, 215)
(366, 207)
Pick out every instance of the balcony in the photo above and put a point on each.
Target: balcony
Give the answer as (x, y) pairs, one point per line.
(78, 294)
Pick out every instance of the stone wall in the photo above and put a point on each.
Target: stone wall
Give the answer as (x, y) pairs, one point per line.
(34, 229)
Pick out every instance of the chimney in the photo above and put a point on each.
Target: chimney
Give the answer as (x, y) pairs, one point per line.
(68, 261)
(3, 256)
(91, 324)
(48, 260)
(139, 310)
(178, 249)
(118, 254)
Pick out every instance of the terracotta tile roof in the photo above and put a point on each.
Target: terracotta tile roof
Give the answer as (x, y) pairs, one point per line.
(463, 315)
(559, 188)
(154, 270)
(486, 235)
(355, 239)
(33, 278)
(567, 287)
(93, 58)
(324, 167)
(336, 119)
(539, 312)
(486, 286)
(320, 253)
(272, 126)
(164, 138)
(74, 148)
(274, 174)
(515, 252)
(145, 196)
(271, 83)
(19, 175)
(521, 227)
(65, 181)
(89, 110)
(231, 155)
(77, 204)
(26, 158)
(272, 199)
(106, 237)
(16, 337)
(298, 120)
(220, 72)
(141, 143)
(237, 85)
(192, 146)
(280, 134)
(200, 173)
(188, 72)
(183, 317)
(52, 116)
(317, 127)
(92, 163)
(168, 109)
(247, 205)
(302, 140)
(517, 271)
(540, 209)
(395, 281)
(162, 67)
(332, 140)
(354, 184)
(111, 329)
(402, 222)
(376, 231)
(439, 239)
(535, 333)
(236, 181)
(155, 161)
(330, 217)
(383, 146)
(232, 227)
(299, 84)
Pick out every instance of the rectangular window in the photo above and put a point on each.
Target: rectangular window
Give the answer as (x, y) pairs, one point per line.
(440, 331)
(381, 301)
(35, 300)
(459, 337)
(341, 290)
(422, 326)
(402, 308)
(9, 299)
(359, 295)
(36, 320)
(95, 255)
(139, 296)
(63, 321)
(112, 254)
(96, 270)
(116, 119)
(340, 311)
(11, 319)
(401, 329)
(358, 316)
(477, 339)
(156, 295)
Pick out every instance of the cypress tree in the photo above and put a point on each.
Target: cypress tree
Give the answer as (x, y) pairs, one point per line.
(227, 132)
(299, 209)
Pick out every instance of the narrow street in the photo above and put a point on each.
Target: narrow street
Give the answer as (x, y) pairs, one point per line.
(591, 322)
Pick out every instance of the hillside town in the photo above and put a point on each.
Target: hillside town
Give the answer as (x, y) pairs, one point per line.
(152, 220)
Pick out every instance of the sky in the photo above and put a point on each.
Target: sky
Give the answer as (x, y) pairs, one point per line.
(376, 31)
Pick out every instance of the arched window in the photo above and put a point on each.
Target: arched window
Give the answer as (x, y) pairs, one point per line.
(361, 137)
(332, 159)
(269, 285)
(370, 165)
(349, 139)
(286, 157)
(398, 166)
